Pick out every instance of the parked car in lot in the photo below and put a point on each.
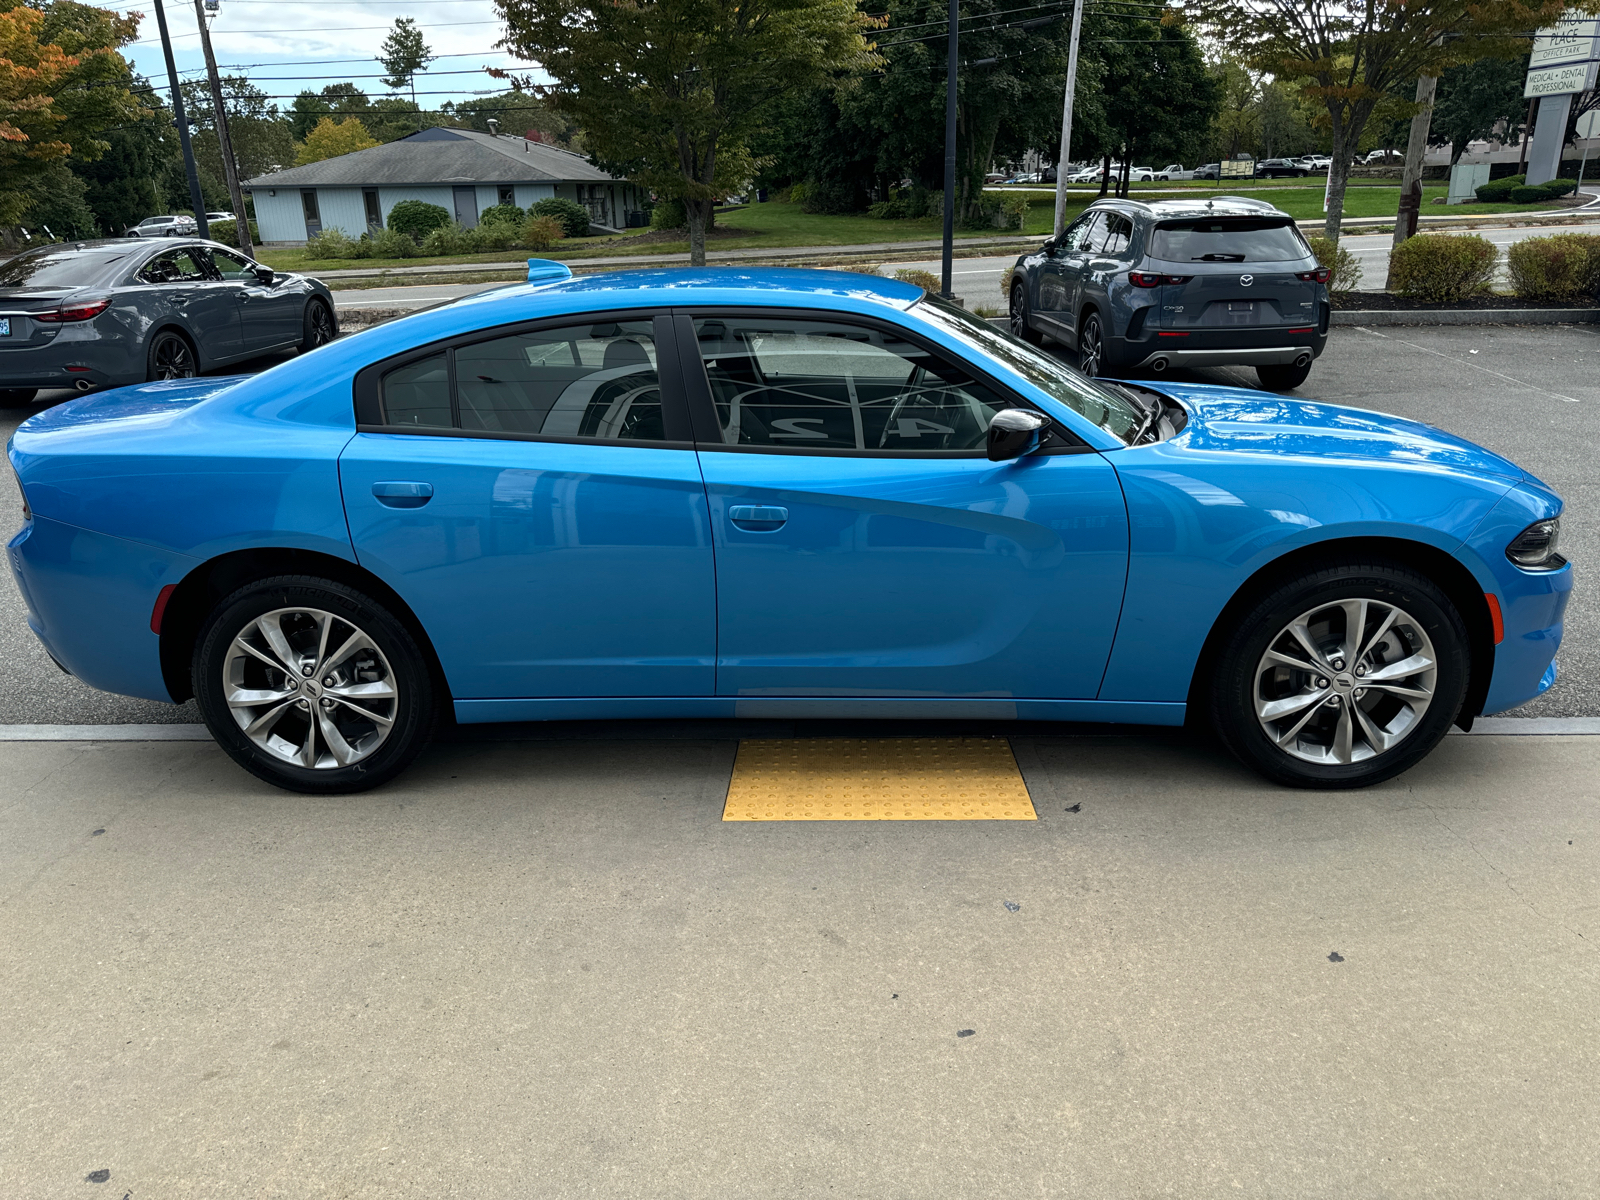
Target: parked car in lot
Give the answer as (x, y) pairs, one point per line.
(99, 314)
(175, 225)
(751, 492)
(1209, 171)
(1177, 283)
(1088, 174)
(1280, 168)
(1174, 171)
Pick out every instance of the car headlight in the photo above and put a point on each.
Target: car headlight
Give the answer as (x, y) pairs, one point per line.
(1534, 549)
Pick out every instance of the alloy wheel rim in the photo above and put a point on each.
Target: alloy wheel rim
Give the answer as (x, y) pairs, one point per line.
(321, 327)
(1089, 347)
(1019, 318)
(310, 688)
(1345, 682)
(173, 360)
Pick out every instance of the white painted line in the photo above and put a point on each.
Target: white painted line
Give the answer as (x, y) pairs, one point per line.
(104, 733)
(1549, 726)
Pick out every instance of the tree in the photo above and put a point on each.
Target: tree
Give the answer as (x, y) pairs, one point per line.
(1351, 55)
(262, 139)
(62, 82)
(330, 139)
(1160, 98)
(403, 54)
(669, 92)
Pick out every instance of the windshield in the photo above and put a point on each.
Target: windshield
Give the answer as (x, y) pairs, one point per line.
(1272, 239)
(1112, 412)
(57, 268)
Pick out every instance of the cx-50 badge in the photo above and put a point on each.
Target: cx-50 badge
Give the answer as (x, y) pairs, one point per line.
(1246, 280)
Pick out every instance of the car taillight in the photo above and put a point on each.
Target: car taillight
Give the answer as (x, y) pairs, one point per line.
(1534, 549)
(1145, 279)
(1320, 275)
(84, 311)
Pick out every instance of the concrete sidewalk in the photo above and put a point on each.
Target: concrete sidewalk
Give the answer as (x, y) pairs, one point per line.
(548, 969)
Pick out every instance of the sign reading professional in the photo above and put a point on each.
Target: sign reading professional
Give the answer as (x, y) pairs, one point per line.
(1560, 81)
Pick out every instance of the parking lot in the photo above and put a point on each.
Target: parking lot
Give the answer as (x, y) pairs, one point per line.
(540, 964)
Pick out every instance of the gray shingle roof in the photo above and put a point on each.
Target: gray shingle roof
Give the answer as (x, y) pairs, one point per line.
(442, 156)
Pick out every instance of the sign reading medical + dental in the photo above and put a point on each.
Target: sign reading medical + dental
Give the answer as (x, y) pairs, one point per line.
(1560, 81)
(1573, 40)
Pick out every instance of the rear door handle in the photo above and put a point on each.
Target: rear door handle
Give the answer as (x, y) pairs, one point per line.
(402, 493)
(758, 518)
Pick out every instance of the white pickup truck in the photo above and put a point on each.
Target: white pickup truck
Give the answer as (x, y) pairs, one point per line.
(1175, 171)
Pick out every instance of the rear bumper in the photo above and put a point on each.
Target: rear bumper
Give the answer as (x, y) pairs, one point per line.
(1266, 356)
(81, 352)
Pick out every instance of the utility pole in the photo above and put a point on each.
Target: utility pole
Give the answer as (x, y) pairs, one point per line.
(1066, 119)
(230, 168)
(1405, 222)
(195, 197)
(950, 157)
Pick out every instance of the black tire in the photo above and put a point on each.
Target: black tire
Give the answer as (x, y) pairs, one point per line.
(1019, 315)
(318, 326)
(171, 356)
(397, 661)
(1091, 344)
(16, 397)
(1283, 378)
(1243, 675)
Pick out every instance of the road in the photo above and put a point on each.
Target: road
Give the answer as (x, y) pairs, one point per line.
(535, 970)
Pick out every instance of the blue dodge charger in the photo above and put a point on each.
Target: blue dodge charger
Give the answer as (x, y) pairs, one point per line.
(772, 493)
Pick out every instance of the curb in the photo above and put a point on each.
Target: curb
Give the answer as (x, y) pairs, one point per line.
(1478, 316)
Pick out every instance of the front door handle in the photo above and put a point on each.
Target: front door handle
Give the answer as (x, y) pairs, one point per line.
(402, 493)
(758, 518)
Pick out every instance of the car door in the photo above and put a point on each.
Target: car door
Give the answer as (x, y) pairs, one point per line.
(1059, 273)
(185, 287)
(866, 546)
(533, 495)
(1105, 252)
(269, 313)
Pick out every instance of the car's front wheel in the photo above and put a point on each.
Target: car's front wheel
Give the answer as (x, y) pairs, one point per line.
(1342, 677)
(318, 327)
(1019, 315)
(1283, 378)
(171, 357)
(312, 685)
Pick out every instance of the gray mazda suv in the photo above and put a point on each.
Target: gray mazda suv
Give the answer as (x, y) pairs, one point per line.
(1178, 283)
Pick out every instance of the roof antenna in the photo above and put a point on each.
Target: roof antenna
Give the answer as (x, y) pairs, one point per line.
(494, 127)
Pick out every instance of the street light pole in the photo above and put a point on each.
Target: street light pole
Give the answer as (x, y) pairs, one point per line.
(195, 197)
(230, 168)
(1066, 118)
(950, 157)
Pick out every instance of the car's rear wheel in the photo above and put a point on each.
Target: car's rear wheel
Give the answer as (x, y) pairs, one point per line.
(171, 357)
(1283, 378)
(1019, 315)
(13, 397)
(1091, 344)
(319, 328)
(312, 685)
(1342, 677)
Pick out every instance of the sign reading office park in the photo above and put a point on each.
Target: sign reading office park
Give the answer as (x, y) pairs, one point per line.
(1573, 40)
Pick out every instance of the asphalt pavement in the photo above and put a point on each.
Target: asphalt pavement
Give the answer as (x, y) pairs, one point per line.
(1531, 393)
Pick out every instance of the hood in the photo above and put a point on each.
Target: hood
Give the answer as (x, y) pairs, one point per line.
(1223, 418)
(125, 403)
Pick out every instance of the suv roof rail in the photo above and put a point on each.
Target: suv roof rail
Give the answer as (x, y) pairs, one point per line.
(1251, 202)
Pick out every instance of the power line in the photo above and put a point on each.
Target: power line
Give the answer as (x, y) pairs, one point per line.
(297, 32)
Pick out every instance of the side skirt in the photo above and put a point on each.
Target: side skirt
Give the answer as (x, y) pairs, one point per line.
(1116, 712)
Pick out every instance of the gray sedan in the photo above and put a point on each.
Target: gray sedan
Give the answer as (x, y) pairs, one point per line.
(90, 315)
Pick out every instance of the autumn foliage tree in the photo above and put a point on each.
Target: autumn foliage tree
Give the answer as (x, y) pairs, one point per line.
(62, 83)
(330, 138)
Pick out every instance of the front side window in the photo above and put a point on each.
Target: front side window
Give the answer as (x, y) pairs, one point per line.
(1086, 232)
(233, 268)
(826, 385)
(175, 266)
(595, 380)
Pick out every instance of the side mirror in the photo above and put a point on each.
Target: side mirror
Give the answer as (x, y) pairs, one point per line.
(265, 274)
(1014, 432)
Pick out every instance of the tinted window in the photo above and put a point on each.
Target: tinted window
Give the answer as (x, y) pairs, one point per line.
(1240, 240)
(832, 386)
(1086, 232)
(57, 268)
(1119, 233)
(175, 266)
(595, 380)
(418, 394)
(231, 266)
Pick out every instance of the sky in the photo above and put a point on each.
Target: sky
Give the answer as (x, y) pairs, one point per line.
(287, 46)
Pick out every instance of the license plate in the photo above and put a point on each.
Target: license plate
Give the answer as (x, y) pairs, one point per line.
(5, 326)
(1241, 306)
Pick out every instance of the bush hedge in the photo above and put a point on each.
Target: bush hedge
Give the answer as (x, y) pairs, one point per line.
(1442, 268)
(451, 239)
(1515, 189)
(503, 214)
(669, 214)
(417, 218)
(391, 243)
(227, 232)
(573, 216)
(1345, 266)
(926, 280)
(1564, 267)
(539, 232)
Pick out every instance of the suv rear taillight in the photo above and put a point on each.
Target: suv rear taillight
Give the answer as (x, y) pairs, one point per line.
(84, 311)
(1145, 279)
(1320, 275)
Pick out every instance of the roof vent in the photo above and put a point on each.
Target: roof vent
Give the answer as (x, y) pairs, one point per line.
(547, 270)
(494, 127)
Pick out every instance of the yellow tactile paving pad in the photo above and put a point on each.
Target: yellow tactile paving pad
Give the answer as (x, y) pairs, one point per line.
(877, 779)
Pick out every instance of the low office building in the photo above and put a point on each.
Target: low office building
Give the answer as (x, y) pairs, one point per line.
(461, 170)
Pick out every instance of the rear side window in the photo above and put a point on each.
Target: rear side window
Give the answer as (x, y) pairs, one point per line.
(595, 380)
(1119, 234)
(1235, 240)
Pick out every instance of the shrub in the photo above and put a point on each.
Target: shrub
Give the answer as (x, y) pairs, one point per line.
(502, 214)
(1441, 267)
(1496, 191)
(798, 193)
(539, 232)
(227, 233)
(1015, 207)
(391, 243)
(1005, 282)
(934, 206)
(926, 280)
(1530, 195)
(330, 243)
(573, 216)
(669, 214)
(450, 239)
(1563, 267)
(497, 235)
(1561, 187)
(900, 205)
(1345, 266)
(417, 218)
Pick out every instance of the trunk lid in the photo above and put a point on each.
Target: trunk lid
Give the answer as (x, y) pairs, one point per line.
(18, 329)
(1238, 296)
